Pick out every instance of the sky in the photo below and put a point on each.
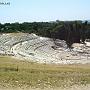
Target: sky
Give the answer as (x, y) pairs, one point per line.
(44, 10)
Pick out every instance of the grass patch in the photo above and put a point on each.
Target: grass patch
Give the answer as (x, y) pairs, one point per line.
(16, 73)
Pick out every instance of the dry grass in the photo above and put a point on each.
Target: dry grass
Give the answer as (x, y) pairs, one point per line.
(16, 73)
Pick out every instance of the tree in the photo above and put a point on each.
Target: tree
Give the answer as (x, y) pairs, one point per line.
(84, 28)
(76, 32)
(69, 34)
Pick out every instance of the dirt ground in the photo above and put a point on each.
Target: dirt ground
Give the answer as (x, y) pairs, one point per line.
(87, 87)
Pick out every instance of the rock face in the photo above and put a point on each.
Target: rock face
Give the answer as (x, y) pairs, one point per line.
(42, 50)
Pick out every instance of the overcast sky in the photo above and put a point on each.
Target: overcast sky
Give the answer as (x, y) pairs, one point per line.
(44, 10)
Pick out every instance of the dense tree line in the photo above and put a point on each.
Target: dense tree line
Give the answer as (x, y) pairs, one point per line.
(70, 31)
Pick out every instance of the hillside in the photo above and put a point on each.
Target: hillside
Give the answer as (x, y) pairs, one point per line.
(38, 49)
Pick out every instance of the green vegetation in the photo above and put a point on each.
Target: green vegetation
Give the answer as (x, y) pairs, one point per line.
(70, 31)
(18, 73)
